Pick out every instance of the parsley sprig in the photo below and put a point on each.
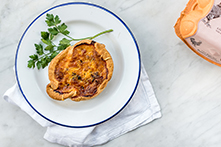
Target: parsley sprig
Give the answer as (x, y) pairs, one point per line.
(47, 49)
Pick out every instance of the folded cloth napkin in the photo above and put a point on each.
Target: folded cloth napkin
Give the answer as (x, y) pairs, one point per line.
(142, 109)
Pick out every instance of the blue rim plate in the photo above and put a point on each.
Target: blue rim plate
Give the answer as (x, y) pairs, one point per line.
(83, 19)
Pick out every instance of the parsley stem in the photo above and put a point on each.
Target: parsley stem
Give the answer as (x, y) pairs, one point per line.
(107, 31)
(44, 55)
(70, 37)
(63, 33)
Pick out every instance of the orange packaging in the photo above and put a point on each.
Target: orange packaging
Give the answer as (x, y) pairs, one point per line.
(199, 26)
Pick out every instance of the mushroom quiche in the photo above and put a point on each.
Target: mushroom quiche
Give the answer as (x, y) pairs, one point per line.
(80, 72)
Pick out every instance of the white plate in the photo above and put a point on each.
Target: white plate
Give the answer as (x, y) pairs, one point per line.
(83, 20)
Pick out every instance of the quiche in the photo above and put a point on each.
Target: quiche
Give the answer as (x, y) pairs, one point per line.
(80, 72)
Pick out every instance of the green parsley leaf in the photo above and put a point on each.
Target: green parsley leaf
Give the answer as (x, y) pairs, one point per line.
(65, 41)
(53, 31)
(65, 32)
(34, 57)
(39, 49)
(49, 48)
(44, 62)
(57, 20)
(49, 17)
(62, 47)
(39, 64)
(50, 20)
(54, 54)
(45, 35)
(49, 23)
(62, 28)
(48, 59)
(51, 36)
(31, 64)
(48, 42)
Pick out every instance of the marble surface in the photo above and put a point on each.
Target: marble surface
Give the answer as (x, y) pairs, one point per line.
(186, 86)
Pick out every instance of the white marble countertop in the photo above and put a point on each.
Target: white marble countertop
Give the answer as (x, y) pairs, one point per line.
(186, 86)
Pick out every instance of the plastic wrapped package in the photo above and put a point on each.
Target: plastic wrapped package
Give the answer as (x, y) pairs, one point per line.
(199, 26)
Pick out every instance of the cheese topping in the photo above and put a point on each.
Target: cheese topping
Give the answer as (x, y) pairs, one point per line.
(82, 70)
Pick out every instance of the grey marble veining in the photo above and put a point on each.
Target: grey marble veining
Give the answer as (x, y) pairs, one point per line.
(186, 86)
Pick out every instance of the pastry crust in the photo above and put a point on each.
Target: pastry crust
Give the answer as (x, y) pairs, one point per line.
(80, 72)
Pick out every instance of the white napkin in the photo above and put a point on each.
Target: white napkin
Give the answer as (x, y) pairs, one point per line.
(142, 109)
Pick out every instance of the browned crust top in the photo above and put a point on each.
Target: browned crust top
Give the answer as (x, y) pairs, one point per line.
(79, 82)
